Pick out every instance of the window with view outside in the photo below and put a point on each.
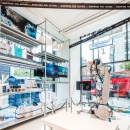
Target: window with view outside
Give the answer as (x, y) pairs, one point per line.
(114, 55)
(86, 53)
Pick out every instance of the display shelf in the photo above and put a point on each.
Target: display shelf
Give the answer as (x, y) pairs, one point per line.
(53, 82)
(19, 58)
(28, 91)
(15, 35)
(56, 82)
(6, 121)
(51, 57)
(15, 40)
(19, 62)
(17, 121)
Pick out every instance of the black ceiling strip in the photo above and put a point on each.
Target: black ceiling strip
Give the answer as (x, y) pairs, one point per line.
(101, 32)
(58, 5)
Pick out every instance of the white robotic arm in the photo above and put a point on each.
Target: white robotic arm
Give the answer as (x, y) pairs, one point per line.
(102, 79)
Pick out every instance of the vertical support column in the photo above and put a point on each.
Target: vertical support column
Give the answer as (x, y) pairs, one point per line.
(93, 51)
(69, 76)
(66, 105)
(44, 126)
(127, 46)
(45, 74)
(51, 128)
(71, 105)
(30, 99)
(80, 66)
(30, 69)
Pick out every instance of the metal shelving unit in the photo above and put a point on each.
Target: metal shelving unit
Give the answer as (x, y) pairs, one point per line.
(19, 62)
(56, 82)
(28, 91)
(17, 121)
(17, 36)
(51, 57)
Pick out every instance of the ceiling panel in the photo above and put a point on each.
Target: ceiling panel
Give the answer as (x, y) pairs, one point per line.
(65, 19)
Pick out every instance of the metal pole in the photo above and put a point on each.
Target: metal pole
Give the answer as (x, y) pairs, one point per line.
(66, 105)
(45, 74)
(69, 76)
(52, 109)
(71, 104)
(30, 99)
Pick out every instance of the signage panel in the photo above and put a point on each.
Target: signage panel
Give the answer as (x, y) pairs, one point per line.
(58, 5)
(100, 32)
(100, 44)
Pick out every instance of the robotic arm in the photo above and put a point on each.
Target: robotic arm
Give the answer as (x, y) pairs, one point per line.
(102, 79)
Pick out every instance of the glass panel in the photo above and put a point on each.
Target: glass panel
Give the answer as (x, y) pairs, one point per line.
(128, 40)
(116, 50)
(120, 85)
(119, 95)
(86, 53)
(119, 43)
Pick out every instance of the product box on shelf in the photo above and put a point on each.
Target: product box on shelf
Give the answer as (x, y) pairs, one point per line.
(36, 109)
(35, 97)
(4, 101)
(15, 81)
(4, 47)
(19, 99)
(30, 84)
(29, 55)
(4, 88)
(20, 113)
(28, 111)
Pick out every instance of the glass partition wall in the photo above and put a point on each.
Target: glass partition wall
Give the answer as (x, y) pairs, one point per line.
(117, 55)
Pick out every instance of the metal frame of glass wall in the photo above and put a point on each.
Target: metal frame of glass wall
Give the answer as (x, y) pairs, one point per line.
(112, 62)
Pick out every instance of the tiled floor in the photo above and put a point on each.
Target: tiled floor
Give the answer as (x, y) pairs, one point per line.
(35, 124)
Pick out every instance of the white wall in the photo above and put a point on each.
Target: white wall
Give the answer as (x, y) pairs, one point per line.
(74, 69)
(75, 51)
(63, 89)
(100, 24)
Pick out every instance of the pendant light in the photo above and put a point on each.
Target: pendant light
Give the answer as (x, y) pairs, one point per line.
(59, 48)
(48, 42)
(41, 38)
(55, 46)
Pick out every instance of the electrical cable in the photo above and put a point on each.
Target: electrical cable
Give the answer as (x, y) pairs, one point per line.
(75, 104)
(61, 106)
(56, 109)
(49, 108)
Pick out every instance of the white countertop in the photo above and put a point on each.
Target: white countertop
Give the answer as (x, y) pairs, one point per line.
(73, 121)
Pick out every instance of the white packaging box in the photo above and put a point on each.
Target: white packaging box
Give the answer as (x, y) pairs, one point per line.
(20, 112)
(28, 111)
(4, 47)
(4, 101)
(36, 109)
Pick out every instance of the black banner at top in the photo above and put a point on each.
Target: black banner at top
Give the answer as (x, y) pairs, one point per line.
(101, 32)
(58, 5)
